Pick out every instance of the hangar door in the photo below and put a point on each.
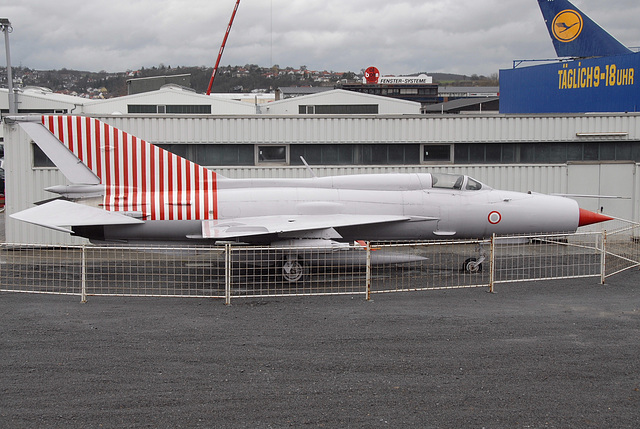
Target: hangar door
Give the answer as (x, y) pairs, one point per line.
(605, 179)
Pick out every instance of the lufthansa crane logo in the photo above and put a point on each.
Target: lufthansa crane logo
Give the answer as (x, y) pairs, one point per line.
(567, 25)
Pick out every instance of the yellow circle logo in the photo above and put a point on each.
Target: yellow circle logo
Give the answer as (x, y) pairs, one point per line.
(567, 25)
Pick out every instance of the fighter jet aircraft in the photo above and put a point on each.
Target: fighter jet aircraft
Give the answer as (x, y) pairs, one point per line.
(125, 190)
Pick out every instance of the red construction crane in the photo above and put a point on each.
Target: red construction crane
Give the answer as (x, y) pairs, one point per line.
(224, 42)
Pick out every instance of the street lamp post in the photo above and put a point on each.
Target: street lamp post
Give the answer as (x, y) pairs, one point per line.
(6, 28)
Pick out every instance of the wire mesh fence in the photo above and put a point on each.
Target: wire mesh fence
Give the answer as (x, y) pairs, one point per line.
(291, 271)
(622, 249)
(229, 272)
(406, 267)
(37, 269)
(117, 271)
(547, 257)
(155, 271)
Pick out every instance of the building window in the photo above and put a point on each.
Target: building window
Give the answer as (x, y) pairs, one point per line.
(338, 109)
(323, 154)
(221, 154)
(545, 153)
(388, 154)
(437, 153)
(356, 154)
(213, 154)
(142, 108)
(196, 109)
(395, 154)
(182, 150)
(203, 109)
(271, 155)
(40, 160)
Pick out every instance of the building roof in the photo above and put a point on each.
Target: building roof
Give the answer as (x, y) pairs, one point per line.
(40, 93)
(296, 91)
(169, 95)
(469, 91)
(460, 104)
(337, 97)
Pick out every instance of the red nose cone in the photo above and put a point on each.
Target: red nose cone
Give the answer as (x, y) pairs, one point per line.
(587, 217)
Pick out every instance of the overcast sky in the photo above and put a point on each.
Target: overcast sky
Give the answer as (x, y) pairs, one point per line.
(399, 36)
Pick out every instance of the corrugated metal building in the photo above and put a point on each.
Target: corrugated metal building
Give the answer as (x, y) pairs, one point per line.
(339, 101)
(170, 99)
(575, 154)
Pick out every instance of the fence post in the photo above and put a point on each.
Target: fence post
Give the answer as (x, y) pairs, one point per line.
(368, 276)
(603, 258)
(492, 260)
(227, 274)
(83, 292)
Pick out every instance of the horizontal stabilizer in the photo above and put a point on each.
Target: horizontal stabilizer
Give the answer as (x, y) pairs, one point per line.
(61, 214)
(262, 225)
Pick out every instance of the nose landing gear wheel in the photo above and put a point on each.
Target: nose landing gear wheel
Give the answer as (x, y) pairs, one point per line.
(292, 271)
(471, 265)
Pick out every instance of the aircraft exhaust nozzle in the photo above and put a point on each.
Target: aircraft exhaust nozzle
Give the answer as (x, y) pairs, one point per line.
(587, 217)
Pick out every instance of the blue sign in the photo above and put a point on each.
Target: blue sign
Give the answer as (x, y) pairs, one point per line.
(606, 84)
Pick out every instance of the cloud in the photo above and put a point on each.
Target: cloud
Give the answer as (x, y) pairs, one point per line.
(407, 36)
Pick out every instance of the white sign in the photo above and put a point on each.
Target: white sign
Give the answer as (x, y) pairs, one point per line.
(423, 79)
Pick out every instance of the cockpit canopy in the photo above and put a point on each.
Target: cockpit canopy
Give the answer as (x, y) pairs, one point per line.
(455, 181)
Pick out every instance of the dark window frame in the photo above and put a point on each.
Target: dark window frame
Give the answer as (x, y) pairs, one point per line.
(262, 158)
(338, 109)
(547, 152)
(170, 109)
(440, 149)
(39, 159)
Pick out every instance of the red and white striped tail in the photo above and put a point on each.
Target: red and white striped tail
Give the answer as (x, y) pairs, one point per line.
(137, 175)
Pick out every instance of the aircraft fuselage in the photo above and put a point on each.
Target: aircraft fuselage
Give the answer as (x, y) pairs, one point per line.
(431, 212)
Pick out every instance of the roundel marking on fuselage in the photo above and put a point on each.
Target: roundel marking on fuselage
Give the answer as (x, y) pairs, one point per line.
(494, 218)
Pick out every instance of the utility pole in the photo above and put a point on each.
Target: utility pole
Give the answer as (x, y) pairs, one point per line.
(6, 28)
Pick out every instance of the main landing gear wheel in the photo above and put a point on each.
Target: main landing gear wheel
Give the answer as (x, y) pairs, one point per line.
(472, 265)
(292, 270)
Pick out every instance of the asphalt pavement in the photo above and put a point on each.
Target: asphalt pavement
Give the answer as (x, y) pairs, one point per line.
(533, 355)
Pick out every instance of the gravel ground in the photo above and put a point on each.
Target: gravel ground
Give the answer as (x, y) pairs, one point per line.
(532, 355)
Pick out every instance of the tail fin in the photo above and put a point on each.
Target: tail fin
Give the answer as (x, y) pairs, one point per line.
(574, 34)
(137, 176)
